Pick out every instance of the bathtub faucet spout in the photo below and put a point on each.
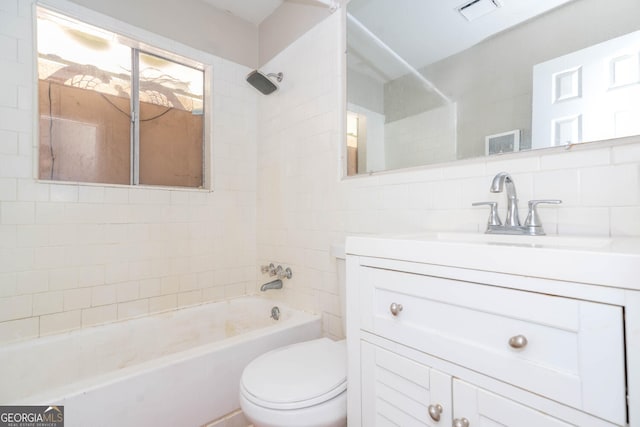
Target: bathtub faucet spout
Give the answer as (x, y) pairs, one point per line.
(275, 284)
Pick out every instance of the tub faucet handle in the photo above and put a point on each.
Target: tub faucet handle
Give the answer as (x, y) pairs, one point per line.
(271, 269)
(283, 273)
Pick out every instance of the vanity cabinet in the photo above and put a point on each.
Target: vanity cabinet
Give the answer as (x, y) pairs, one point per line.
(433, 345)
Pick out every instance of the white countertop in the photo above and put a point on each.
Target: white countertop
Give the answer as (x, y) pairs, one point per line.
(594, 260)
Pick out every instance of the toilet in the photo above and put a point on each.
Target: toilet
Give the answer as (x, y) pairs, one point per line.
(299, 385)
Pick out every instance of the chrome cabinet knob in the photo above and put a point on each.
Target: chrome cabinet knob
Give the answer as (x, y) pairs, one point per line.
(518, 341)
(461, 422)
(395, 308)
(435, 411)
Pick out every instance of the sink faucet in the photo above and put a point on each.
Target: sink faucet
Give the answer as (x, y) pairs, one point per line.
(500, 181)
(532, 225)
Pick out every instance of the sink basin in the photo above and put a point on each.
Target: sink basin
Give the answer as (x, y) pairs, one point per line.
(534, 241)
(594, 260)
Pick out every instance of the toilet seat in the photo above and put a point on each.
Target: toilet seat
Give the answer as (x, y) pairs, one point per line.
(296, 376)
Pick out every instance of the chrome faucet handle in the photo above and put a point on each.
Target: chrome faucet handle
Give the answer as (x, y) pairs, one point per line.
(283, 273)
(271, 269)
(494, 219)
(533, 217)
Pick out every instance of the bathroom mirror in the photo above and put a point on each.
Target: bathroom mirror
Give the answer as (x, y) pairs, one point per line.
(436, 81)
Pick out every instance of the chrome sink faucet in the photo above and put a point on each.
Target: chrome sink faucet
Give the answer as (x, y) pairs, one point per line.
(532, 225)
(500, 181)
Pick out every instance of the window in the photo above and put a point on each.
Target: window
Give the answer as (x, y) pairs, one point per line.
(113, 112)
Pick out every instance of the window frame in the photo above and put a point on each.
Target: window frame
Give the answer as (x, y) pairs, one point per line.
(139, 41)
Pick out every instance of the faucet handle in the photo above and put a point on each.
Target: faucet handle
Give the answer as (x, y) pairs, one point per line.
(533, 218)
(283, 273)
(271, 269)
(494, 219)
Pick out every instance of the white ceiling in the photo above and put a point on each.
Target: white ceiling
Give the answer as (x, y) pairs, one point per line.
(254, 11)
(426, 31)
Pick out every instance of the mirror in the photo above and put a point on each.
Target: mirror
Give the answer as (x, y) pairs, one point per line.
(435, 81)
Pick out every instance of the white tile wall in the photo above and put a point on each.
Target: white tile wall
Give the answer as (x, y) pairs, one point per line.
(73, 256)
(298, 182)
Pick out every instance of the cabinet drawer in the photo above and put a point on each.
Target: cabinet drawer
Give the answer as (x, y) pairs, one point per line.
(572, 351)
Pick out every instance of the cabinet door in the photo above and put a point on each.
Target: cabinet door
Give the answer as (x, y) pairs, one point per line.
(397, 391)
(484, 409)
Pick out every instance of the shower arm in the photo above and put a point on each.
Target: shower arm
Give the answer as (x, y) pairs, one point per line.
(278, 76)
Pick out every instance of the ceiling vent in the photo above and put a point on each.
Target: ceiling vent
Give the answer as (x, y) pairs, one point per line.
(477, 8)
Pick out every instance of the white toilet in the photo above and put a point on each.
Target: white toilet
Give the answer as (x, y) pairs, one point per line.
(300, 385)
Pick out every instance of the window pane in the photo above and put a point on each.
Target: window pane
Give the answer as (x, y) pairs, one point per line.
(84, 102)
(171, 123)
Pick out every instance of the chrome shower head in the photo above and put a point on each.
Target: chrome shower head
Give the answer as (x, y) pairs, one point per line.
(263, 82)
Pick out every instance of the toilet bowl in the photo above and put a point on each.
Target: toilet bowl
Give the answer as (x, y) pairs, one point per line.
(303, 384)
(300, 385)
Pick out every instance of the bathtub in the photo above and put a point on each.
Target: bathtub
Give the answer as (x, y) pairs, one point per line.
(180, 368)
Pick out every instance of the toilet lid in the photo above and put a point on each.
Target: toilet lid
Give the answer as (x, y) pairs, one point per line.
(297, 376)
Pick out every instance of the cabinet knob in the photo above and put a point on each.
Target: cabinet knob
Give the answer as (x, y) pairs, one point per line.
(518, 341)
(395, 308)
(461, 422)
(435, 411)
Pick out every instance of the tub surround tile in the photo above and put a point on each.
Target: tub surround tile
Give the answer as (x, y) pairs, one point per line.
(8, 189)
(163, 303)
(186, 299)
(127, 291)
(99, 315)
(130, 309)
(48, 303)
(215, 293)
(77, 298)
(8, 143)
(21, 329)
(104, 295)
(60, 322)
(32, 282)
(17, 212)
(150, 288)
(8, 285)
(31, 190)
(63, 278)
(63, 193)
(16, 307)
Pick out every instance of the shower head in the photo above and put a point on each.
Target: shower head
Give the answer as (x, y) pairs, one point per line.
(263, 82)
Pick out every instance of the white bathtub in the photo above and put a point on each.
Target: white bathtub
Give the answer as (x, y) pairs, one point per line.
(175, 369)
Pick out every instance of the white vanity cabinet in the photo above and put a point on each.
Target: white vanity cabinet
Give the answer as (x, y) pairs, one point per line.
(437, 345)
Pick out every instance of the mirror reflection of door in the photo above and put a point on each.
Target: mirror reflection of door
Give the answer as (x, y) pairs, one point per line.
(444, 83)
(588, 95)
(365, 141)
(352, 143)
